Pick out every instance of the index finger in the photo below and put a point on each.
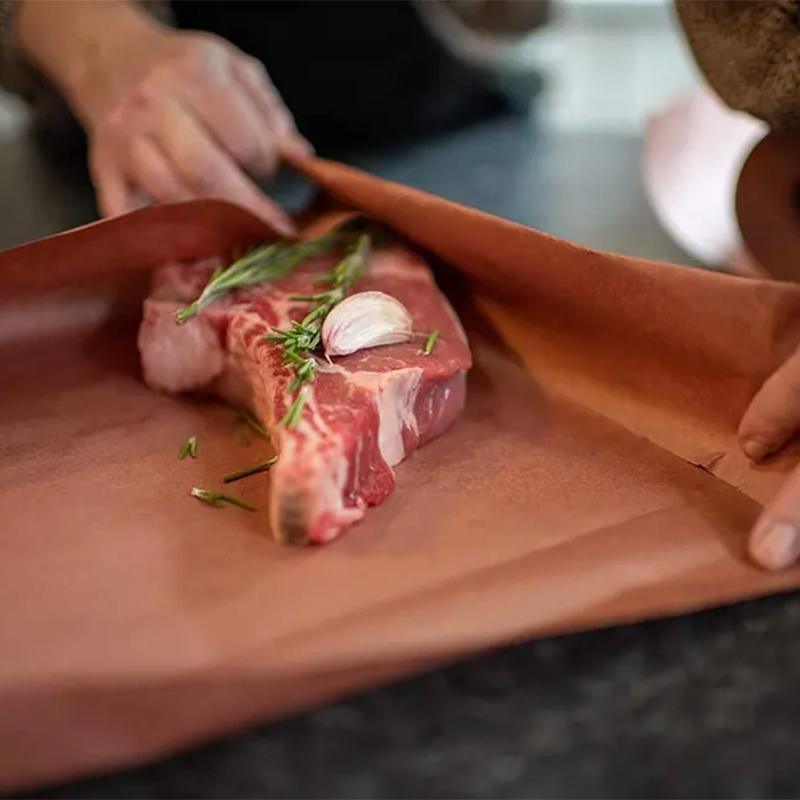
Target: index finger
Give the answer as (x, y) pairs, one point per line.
(255, 80)
(773, 416)
(208, 170)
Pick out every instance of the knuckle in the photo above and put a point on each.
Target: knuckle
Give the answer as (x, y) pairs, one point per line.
(156, 187)
(251, 153)
(206, 40)
(112, 126)
(208, 176)
(146, 93)
(245, 153)
(255, 67)
(198, 53)
(190, 60)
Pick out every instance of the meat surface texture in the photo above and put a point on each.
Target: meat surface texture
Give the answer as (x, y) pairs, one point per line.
(365, 412)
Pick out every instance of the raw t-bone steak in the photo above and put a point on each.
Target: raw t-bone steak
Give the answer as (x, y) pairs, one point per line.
(365, 412)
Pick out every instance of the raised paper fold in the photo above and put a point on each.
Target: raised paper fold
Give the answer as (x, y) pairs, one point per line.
(593, 479)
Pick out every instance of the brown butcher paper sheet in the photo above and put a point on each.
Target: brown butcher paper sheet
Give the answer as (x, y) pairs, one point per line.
(594, 478)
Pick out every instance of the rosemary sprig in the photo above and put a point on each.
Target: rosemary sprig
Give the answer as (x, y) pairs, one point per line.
(264, 263)
(430, 343)
(301, 338)
(262, 466)
(189, 448)
(292, 416)
(249, 419)
(216, 498)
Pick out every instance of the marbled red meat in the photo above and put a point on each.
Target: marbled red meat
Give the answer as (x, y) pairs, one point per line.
(366, 411)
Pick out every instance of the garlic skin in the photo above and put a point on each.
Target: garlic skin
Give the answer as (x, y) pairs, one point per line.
(365, 319)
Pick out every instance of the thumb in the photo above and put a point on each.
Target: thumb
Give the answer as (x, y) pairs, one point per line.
(773, 416)
(775, 540)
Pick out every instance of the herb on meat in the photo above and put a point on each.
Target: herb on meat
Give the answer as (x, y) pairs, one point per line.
(266, 262)
(430, 343)
(301, 338)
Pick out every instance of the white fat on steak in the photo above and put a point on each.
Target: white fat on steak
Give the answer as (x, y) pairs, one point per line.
(395, 394)
(178, 358)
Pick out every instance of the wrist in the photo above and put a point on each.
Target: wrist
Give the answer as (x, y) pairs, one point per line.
(82, 46)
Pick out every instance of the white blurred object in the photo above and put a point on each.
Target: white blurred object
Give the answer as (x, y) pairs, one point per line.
(693, 153)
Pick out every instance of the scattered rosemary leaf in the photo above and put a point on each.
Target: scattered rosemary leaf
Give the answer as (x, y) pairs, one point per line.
(430, 343)
(262, 466)
(189, 448)
(246, 416)
(215, 498)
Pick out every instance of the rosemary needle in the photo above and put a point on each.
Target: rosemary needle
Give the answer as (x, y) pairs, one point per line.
(246, 416)
(295, 411)
(262, 466)
(302, 337)
(189, 448)
(430, 343)
(215, 498)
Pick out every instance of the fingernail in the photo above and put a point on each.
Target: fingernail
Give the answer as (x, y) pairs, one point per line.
(297, 147)
(776, 545)
(283, 227)
(303, 142)
(755, 448)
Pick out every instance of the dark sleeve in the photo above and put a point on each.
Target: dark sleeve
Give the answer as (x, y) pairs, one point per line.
(749, 51)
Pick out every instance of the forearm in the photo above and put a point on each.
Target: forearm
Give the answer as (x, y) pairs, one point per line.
(72, 43)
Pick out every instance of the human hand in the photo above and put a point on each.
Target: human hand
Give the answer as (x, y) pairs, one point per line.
(169, 115)
(193, 120)
(771, 420)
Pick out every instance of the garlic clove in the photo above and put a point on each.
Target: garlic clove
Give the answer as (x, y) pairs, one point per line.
(365, 319)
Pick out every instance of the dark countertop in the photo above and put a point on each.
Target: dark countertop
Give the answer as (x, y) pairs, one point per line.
(705, 705)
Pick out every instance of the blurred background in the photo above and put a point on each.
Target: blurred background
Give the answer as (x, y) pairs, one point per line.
(606, 65)
(583, 81)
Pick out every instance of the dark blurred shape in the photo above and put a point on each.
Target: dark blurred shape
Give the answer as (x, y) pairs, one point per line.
(353, 73)
(356, 75)
(768, 205)
(749, 53)
(501, 17)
